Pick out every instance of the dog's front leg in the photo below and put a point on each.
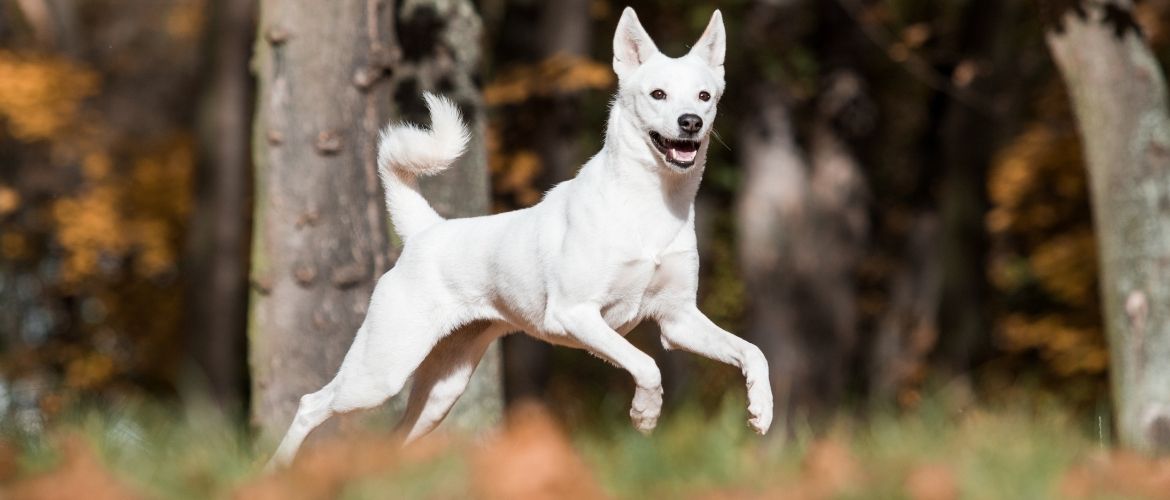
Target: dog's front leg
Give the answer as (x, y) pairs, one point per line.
(689, 329)
(586, 326)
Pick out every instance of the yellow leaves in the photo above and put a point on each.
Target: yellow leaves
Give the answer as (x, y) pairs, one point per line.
(513, 173)
(40, 95)
(185, 19)
(1035, 181)
(96, 166)
(89, 371)
(1045, 262)
(518, 177)
(1066, 267)
(559, 74)
(88, 227)
(156, 254)
(1068, 349)
(9, 200)
(1039, 201)
(137, 213)
(14, 246)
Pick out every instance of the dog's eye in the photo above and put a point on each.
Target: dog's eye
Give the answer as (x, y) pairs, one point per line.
(704, 96)
(658, 94)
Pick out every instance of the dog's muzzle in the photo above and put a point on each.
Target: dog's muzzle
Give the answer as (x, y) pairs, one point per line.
(679, 152)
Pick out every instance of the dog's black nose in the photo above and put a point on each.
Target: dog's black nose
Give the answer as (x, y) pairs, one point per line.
(690, 123)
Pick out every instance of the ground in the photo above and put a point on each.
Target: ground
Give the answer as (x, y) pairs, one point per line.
(937, 451)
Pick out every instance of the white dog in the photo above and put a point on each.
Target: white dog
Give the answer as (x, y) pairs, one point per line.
(599, 254)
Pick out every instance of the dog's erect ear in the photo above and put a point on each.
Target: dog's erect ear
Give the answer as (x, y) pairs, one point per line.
(712, 46)
(632, 46)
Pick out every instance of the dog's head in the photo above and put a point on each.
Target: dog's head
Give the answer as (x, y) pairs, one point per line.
(672, 100)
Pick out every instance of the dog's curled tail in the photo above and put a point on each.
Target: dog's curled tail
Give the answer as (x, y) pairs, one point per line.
(407, 151)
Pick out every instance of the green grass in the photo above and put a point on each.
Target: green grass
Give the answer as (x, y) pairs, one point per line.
(1000, 453)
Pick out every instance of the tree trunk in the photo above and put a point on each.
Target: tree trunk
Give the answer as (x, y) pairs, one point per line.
(321, 236)
(1118, 94)
(564, 31)
(969, 137)
(217, 246)
(801, 227)
(803, 220)
(450, 65)
(907, 331)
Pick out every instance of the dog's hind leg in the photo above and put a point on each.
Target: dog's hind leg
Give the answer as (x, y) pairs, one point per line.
(313, 411)
(444, 375)
(388, 348)
(689, 329)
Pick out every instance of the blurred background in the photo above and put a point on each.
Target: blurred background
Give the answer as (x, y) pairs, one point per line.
(895, 200)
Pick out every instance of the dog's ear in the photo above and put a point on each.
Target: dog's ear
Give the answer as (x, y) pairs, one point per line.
(632, 46)
(712, 46)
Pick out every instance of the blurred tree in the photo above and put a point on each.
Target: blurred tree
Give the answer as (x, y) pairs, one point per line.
(217, 244)
(1118, 94)
(802, 222)
(563, 36)
(97, 154)
(330, 74)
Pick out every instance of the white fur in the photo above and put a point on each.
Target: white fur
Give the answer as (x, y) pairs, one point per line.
(599, 254)
(407, 151)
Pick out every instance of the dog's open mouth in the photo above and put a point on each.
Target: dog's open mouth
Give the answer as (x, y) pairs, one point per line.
(680, 152)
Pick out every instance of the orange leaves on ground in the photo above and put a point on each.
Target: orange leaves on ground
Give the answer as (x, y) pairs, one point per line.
(41, 95)
(80, 474)
(559, 74)
(932, 482)
(829, 470)
(324, 471)
(532, 458)
(1119, 474)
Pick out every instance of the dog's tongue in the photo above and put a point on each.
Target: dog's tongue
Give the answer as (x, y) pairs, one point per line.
(682, 155)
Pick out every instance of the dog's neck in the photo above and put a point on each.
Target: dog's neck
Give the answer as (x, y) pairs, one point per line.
(631, 163)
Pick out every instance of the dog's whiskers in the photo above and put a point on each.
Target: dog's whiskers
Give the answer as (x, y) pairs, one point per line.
(720, 139)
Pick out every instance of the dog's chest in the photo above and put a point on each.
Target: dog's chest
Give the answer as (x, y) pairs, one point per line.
(637, 280)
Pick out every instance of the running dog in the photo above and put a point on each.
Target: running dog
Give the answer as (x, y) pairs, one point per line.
(599, 254)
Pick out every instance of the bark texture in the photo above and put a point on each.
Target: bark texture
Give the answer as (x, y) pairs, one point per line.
(1118, 94)
(330, 76)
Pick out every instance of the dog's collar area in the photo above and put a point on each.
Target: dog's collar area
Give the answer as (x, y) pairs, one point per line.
(678, 152)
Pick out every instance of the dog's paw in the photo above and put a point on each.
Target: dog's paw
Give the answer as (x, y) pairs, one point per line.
(643, 422)
(646, 408)
(761, 418)
(760, 408)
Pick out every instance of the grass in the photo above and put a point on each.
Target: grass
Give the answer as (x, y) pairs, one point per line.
(993, 453)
